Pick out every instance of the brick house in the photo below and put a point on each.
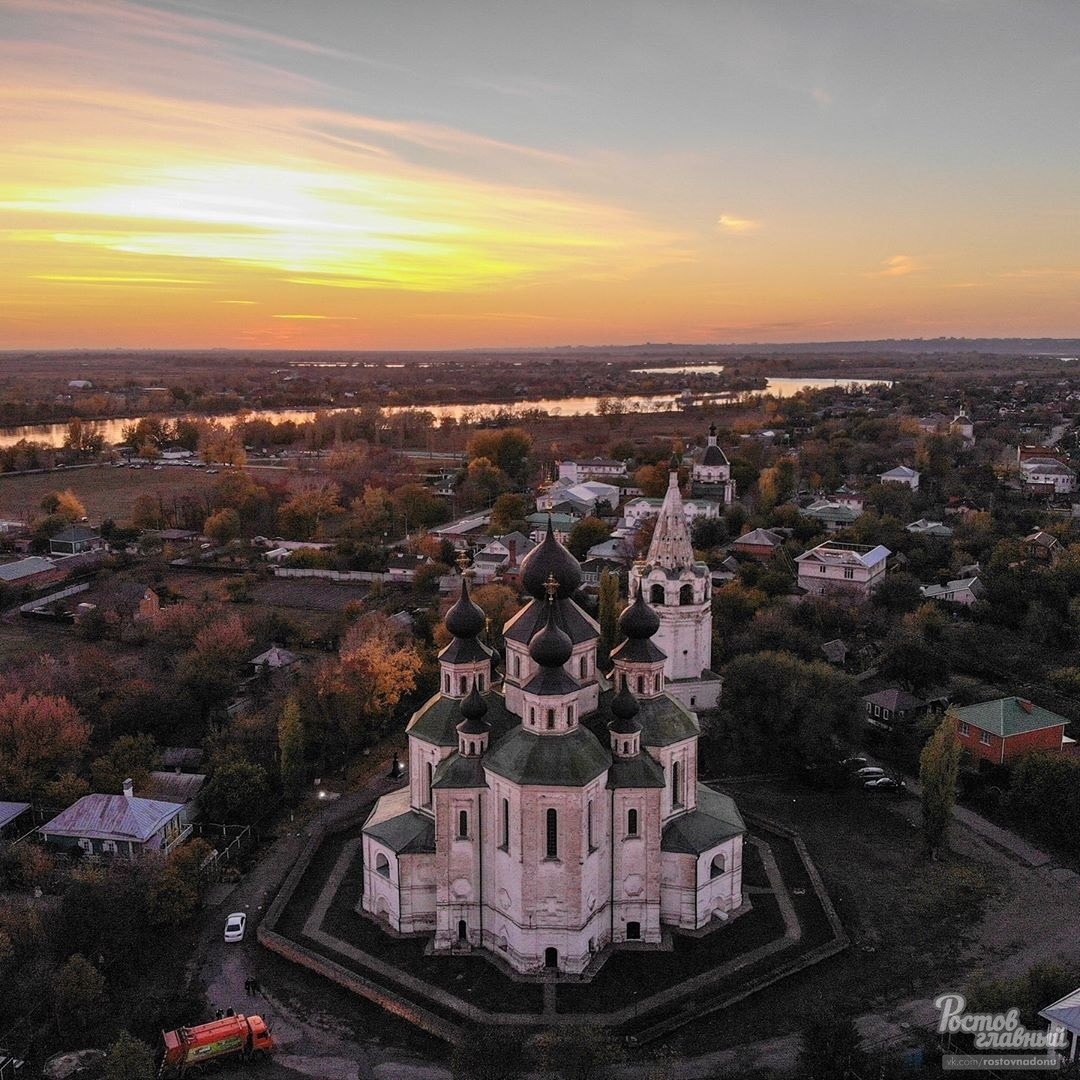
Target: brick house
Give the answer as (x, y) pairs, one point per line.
(1000, 731)
(842, 568)
(758, 543)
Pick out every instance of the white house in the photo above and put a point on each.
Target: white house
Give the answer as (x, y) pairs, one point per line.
(901, 475)
(1048, 474)
(850, 568)
(963, 591)
(926, 527)
(595, 468)
(585, 497)
(552, 816)
(637, 510)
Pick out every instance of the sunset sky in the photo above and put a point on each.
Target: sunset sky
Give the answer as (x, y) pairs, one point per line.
(377, 174)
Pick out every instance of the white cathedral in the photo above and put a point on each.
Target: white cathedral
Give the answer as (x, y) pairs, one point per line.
(557, 812)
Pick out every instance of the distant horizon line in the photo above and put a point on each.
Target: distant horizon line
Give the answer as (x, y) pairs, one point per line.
(1071, 342)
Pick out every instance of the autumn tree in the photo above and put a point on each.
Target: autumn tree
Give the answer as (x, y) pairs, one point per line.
(301, 517)
(131, 757)
(290, 734)
(587, 532)
(65, 504)
(653, 480)
(129, 1059)
(236, 792)
(210, 671)
(509, 512)
(939, 767)
(482, 484)
(418, 506)
(40, 735)
(221, 444)
(358, 690)
(498, 603)
(174, 894)
(80, 994)
(609, 608)
(222, 526)
(831, 1050)
(507, 450)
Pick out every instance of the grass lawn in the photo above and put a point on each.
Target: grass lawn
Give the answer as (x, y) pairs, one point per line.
(907, 918)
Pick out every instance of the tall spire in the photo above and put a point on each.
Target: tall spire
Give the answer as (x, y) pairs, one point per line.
(670, 547)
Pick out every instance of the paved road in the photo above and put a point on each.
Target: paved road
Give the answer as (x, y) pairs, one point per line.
(311, 1043)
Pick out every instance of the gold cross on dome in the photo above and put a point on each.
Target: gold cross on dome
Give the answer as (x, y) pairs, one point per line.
(551, 587)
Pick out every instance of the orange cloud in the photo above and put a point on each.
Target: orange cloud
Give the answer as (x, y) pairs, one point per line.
(738, 226)
(898, 266)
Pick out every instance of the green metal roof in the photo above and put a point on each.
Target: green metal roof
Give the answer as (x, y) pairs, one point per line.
(1008, 716)
(715, 820)
(640, 771)
(664, 720)
(566, 760)
(460, 772)
(437, 719)
(407, 834)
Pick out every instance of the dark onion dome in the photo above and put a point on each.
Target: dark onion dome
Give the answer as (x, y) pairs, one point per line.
(624, 708)
(638, 621)
(465, 619)
(714, 455)
(551, 646)
(550, 559)
(473, 708)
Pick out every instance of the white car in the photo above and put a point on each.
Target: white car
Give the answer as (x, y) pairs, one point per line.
(871, 772)
(235, 925)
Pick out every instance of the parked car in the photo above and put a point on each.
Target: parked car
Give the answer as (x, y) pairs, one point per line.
(869, 772)
(235, 925)
(855, 763)
(884, 783)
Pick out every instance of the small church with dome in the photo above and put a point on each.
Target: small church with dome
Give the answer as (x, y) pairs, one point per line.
(553, 811)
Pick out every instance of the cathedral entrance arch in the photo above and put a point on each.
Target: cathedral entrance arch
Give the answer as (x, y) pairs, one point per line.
(462, 931)
(551, 959)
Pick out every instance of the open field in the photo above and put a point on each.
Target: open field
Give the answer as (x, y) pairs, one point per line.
(105, 491)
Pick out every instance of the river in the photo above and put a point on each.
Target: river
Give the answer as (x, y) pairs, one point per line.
(113, 429)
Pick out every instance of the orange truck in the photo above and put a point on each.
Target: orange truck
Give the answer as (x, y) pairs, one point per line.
(188, 1051)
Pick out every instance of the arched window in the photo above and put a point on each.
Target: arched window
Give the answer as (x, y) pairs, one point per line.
(506, 825)
(656, 683)
(570, 715)
(429, 774)
(446, 684)
(552, 834)
(686, 594)
(462, 930)
(588, 825)
(676, 783)
(532, 716)
(656, 594)
(631, 822)
(641, 684)
(382, 865)
(583, 667)
(718, 865)
(463, 683)
(517, 664)
(550, 718)
(480, 682)
(463, 824)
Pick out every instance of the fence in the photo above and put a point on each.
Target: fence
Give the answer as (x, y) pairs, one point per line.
(32, 606)
(333, 575)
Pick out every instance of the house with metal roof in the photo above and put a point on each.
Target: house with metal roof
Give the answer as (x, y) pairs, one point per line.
(963, 591)
(902, 474)
(853, 569)
(122, 826)
(834, 516)
(11, 816)
(1000, 731)
(926, 527)
(893, 706)
(75, 540)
